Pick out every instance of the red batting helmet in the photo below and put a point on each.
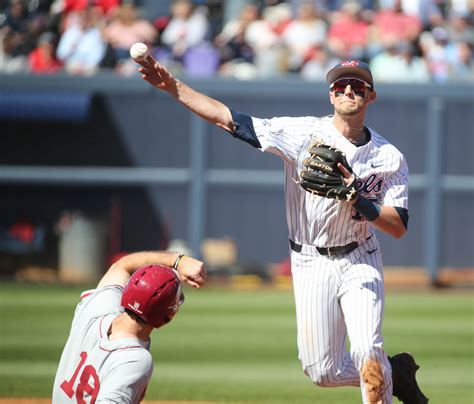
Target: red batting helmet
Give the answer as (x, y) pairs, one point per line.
(154, 294)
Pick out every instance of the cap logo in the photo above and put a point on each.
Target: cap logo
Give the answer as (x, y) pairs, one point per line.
(350, 63)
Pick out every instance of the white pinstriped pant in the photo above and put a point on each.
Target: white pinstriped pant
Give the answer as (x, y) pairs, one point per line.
(337, 297)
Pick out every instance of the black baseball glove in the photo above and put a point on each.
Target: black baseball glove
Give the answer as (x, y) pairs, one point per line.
(321, 175)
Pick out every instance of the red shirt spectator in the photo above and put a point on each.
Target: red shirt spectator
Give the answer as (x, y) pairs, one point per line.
(76, 5)
(348, 32)
(393, 26)
(43, 59)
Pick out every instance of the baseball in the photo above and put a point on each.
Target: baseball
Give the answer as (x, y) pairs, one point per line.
(138, 51)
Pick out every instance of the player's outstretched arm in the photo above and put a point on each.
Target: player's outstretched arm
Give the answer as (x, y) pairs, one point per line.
(206, 107)
(190, 270)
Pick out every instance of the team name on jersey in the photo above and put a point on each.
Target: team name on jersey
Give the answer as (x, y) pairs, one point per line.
(373, 184)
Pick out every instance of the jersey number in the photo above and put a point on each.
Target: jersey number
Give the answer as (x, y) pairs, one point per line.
(84, 386)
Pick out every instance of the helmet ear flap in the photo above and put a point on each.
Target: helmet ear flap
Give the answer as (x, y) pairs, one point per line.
(154, 294)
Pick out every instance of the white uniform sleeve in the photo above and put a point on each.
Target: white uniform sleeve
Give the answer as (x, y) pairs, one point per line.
(284, 136)
(396, 186)
(98, 302)
(128, 377)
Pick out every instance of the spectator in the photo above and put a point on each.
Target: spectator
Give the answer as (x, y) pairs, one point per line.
(126, 28)
(67, 11)
(464, 8)
(81, 47)
(231, 41)
(279, 15)
(105, 6)
(334, 5)
(434, 46)
(24, 26)
(303, 34)
(422, 9)
(263, 35)
(264, 40)
(391, 26)
(10, 62)
(348, 32)
(187, 27)
(463, 67)
(398, 63)
(318, 64)
(435, 18)
(17, 17)
(43, 59)
(259, 33)
(460, 30)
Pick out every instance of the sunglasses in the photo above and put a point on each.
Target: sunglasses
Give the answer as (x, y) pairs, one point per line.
(357, 86)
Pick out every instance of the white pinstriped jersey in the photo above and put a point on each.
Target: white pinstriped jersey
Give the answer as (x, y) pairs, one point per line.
(94, 369)
(323, 222)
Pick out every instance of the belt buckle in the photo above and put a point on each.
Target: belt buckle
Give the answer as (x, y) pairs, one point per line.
(328, 249)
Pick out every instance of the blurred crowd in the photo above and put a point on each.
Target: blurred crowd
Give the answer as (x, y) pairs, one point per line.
(403, 40)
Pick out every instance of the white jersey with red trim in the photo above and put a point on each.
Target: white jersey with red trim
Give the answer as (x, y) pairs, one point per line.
(94, 369)
(323, 222)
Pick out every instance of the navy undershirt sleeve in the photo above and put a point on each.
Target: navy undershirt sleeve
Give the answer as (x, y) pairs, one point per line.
(403, 215)
(244, 130)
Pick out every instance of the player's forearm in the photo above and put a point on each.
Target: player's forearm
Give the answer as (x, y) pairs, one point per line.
(206, 107)
(384, 218)
(131, 262)
(120, 272)
(389, 222)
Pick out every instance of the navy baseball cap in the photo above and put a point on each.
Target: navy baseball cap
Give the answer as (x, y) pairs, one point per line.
(349, 69)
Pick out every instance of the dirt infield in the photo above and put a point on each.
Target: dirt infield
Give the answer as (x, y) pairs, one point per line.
(48, 401)
(399, 278)
(404, 279)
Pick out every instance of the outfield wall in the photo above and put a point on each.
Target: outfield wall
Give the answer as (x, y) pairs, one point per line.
(93, 143)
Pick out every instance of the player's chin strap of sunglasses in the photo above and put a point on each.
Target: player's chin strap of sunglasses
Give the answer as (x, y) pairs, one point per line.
(329, 251)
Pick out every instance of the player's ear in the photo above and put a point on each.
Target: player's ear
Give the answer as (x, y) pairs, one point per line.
(372, 96)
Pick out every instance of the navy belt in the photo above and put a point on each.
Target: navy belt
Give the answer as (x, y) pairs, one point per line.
(330, 251)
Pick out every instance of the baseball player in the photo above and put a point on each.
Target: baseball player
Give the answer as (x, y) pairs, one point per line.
(106, 357)
(335, 256)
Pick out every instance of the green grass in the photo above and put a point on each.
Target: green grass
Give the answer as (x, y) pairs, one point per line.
(238, 346)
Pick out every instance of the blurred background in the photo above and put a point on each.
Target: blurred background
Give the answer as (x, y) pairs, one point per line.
(95, 163)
